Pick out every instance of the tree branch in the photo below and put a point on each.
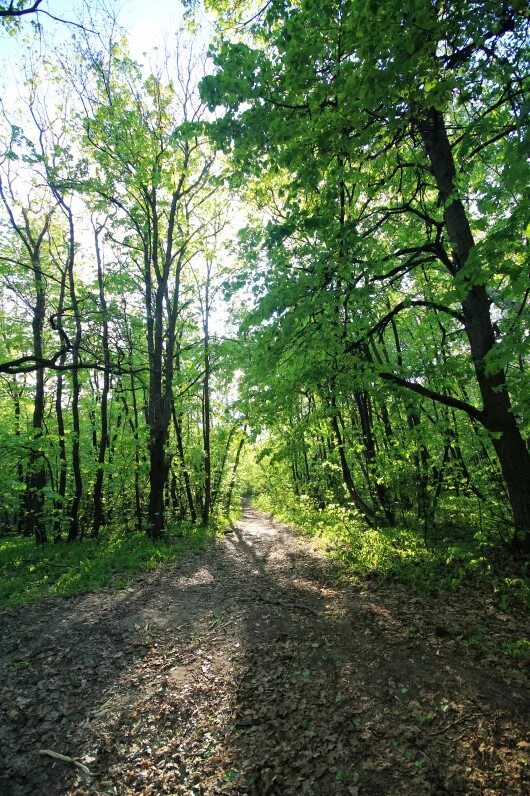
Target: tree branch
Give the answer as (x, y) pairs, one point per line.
(30, 363)
(11, 11)
(381, 325)
(447, 400)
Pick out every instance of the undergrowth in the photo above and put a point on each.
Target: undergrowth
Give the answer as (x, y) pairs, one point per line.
(29, 572)
(401, 555)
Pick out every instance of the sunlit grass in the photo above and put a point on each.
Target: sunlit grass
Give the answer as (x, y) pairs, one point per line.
(29, 572)
(401, 555)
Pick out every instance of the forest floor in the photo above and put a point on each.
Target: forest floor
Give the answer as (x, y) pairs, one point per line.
(257, 668)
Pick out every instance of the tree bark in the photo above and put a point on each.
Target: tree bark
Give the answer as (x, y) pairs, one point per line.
(498, 417)
(74, 529)
(135, 429)
(364, 409)
(206, 420)
(99, 514)
(347, 477)
(233, 474)
(36, 478)
(159, 415)
(59, 416)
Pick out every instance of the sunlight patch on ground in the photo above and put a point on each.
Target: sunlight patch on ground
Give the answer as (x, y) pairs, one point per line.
(199, 578)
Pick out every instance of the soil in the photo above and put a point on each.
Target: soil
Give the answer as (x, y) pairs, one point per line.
(257, 668)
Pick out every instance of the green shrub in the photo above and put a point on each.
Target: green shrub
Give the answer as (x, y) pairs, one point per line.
(400, 554)
(519, 650)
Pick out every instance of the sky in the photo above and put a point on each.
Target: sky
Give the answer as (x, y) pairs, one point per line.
(148, 24)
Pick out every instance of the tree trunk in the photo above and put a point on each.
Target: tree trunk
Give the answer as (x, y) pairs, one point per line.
(74, 530)
(206, 420)
(36, 478)
(217, 481)
(17, 392)
(233, 474)
(362, 401)
(177, 424)
(507, 440)
(159, 416)
(135, 429)
(161, 390)
(347, 477)
(59, 416)
(99, 515)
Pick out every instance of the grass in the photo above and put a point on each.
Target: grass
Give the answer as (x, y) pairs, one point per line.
(401, 555)
(29, 572)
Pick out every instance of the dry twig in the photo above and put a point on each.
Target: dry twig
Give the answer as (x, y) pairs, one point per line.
(67, 759)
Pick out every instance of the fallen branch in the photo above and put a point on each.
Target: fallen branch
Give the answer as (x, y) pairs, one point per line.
(66, 759)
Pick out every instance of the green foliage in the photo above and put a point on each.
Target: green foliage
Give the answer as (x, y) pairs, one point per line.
(128, 284)
(376, 394)
(350, 258)
(401, 555)
(519, 650)
(60, 569)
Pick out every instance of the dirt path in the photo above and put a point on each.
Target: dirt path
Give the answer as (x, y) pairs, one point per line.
(253, 670)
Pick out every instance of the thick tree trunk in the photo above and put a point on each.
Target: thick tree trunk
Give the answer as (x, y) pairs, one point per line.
(511, 450)
(158, 411)
(159, 416)
(157, 475)
(161, 389)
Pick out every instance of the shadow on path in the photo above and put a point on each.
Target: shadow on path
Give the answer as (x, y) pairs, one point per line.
(252, 670)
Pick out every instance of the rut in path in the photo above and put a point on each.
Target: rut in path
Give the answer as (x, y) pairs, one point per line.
(252, 669)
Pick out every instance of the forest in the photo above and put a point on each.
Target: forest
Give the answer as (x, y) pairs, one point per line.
(276, 265)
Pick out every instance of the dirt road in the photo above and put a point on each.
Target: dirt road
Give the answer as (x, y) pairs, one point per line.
(255, 669)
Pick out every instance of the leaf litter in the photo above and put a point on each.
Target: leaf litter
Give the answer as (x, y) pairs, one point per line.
(255, 668)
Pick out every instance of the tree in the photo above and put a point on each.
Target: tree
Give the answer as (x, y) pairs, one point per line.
(394, 132)
(31, 231)
(155, 172)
